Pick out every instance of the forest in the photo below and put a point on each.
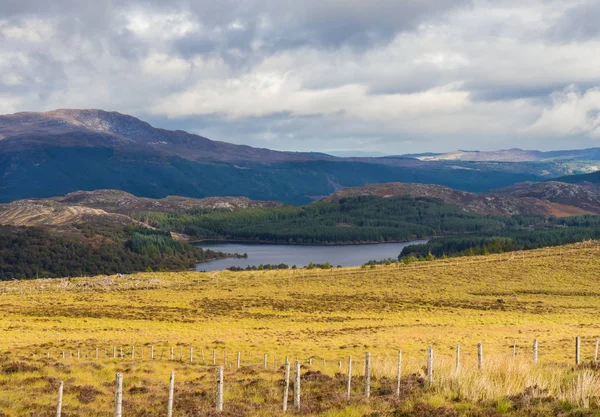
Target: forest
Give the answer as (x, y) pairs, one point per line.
(350, 220)
(551, 232)
(30, 252)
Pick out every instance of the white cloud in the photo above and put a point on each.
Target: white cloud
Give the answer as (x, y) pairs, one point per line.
(571, 113)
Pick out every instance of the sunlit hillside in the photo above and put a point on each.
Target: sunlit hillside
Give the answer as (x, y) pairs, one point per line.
(320, 317)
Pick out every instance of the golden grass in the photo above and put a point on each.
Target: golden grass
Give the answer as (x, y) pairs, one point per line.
(549, 294)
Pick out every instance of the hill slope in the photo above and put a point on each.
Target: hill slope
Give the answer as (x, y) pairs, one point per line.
(543, 199)
(58, 152)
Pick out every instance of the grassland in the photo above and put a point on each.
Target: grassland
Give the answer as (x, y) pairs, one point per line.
(550, 294)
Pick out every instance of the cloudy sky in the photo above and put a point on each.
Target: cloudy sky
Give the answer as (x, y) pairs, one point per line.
(376, 76)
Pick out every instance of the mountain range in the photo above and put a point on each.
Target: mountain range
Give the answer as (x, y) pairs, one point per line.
(58, 152)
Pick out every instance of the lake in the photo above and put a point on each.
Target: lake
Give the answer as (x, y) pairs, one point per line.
(300, 255)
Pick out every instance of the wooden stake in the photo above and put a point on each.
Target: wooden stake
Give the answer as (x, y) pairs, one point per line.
(349, 382)
(514, 348)
(60, 399)
(152, 352)
(430, 365)
(535, 352)
(577, 350)
(596, 351)
(119, 395)
(172, 353)
(399, 373)
(458, 358)
(265, 361)
(171, 394)
(479, 355)
(191, 354)
(297, 385)
(214, 357)
(239, 360)
(286, 388)
(219, 401)
(132, 352)
(367, 375)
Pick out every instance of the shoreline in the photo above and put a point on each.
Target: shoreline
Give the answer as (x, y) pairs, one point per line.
(271, 242)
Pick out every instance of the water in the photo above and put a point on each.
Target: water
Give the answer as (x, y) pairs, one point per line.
(299, 255)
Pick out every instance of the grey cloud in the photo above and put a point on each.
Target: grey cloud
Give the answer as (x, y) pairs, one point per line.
(578, 23)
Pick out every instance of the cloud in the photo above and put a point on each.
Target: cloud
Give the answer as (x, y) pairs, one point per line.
(325, 75)
(572, 113)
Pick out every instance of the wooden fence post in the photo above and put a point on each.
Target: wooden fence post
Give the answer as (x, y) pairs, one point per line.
(458, 358)
(78, 353)
(430, 365)
(367, 374)
(219, 405)
(399, 373)
(132, 352)
(152, 352)
(119, 395)
(214, 357)
(514, 348)
(596, 351)
(180, 353)
(577, 350)
(479, 355)
(297, 385)
(286, 388)
(239, 360)
(60, 399)
(191, 354)
(97, 353)
(349, 383)
(202, 351)
(265, 361)
(171, 394)
(535, 352)
(172, 353)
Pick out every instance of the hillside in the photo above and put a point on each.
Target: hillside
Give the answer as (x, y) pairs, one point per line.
(44, 155)
(320, 318)
(543, 199)
(512, 155)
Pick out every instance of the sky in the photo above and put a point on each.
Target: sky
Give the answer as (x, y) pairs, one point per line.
(337, 76)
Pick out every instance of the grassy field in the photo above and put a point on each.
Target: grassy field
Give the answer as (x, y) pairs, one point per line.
(319, 317)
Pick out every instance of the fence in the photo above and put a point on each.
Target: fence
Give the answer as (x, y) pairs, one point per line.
(432, 376)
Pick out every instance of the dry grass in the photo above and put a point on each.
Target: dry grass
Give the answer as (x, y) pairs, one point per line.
(551, 295)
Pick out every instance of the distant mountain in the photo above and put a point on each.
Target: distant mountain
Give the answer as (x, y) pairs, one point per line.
(546, 199)
(512, 155)
(62, 151)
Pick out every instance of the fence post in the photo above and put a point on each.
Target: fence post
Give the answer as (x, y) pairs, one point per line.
(577, 350)
(514, 348)
(119, 395)
(60, 399)
(78, 353)
(399, 373)
(367, 375)
(239, 359)
(202, 351)
(172, 353)
(97, 353)
(286, 388)
(265, 361)
(122, 356)
(535, 352)
(458, 358)
(297, 385)
(220, 388)
(596, 351)
(171, 394)
(152, 352)
(430, 365)
(132, 352)
(214, 356)
(479, 355)
(349, 385)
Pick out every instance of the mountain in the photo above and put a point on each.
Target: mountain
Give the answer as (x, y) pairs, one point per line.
(54, 153)
(512, 155)
(551, 199)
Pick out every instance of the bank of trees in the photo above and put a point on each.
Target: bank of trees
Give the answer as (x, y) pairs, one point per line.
(351, 220)
(29, 252)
